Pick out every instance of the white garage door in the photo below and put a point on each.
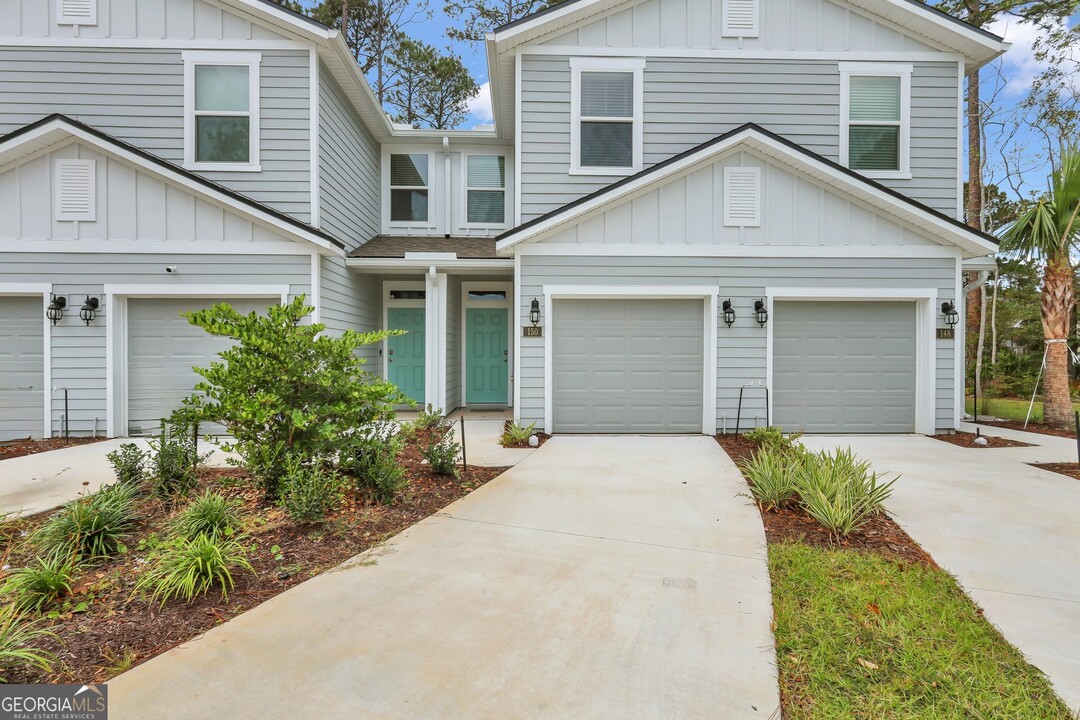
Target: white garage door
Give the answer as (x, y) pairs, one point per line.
(162, 349)
(628, 366)
(22, 367)
(845, 367)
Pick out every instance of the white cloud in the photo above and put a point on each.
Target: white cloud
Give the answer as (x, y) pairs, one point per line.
(1019, 65)
(480, 106)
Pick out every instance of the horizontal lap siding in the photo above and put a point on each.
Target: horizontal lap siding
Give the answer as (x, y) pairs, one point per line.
(79, 351)
(688, 101)
(350, 301)
(138, 96)
(741, 348)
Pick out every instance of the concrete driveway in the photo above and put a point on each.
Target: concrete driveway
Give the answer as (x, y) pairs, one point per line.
(600, 578)
(1008, 531)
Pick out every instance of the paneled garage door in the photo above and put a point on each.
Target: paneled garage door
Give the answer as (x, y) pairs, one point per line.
(162, 348)
(845, 367)
(22, 367)
(628, 366)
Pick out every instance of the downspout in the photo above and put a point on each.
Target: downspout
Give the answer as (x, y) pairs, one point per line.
(447, 194)
(979, 281)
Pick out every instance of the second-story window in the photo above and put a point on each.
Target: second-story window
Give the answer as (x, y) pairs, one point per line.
(221, 118)
(485, 189)
(606, 115)
(409, 189)
(875, 118)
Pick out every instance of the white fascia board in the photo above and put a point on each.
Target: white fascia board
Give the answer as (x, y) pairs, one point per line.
(424, 265)
(911, 214)
(985, 263)
(58, 132)
(279, 18)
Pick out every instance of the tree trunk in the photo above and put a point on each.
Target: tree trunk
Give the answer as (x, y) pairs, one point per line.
(993, 322)
(1056, 305)
(982, 342)
(973, 209)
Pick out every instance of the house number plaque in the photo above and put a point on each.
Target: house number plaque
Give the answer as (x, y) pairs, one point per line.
(946, 333)
(529, 331)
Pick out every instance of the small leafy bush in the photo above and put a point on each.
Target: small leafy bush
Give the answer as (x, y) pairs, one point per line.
(376, 468)
(442, 456)
(19, 641)
(90, 527)
(188, 568)
(771, 476)
(840, 491)
(309, 492)
(773, 439)
(129, 464)
(515, 435)
(209, 514)
(39, 584)
(174, 460)
(430, 418)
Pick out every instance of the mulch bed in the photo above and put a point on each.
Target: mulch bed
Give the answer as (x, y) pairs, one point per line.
(120, 630)
(28, 446)
(1032, 427)
(966, 439)
(879, 534)
(1070, 469)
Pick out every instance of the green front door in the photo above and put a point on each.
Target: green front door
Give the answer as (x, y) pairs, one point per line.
(487, 366)
(405, 353)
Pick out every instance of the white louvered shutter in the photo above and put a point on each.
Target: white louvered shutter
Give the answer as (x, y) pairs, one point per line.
(742, 196)
(740, 18)
(76, 196)
(76, 12)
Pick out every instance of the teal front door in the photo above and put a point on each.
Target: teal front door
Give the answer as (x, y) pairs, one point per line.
(487, 364)
(405, 353)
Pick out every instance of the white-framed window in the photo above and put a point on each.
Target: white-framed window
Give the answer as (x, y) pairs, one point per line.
(76, 12)
(410, 189)
(875, 118)
(221, 110)
(606, 109)
(75, 190)
(485, 190)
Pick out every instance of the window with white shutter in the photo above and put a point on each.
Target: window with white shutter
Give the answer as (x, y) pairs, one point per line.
(76, 12)
(739, 18)
(75, 194)
(742, 196)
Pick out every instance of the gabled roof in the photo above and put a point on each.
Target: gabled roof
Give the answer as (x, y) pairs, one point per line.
(754, 137)
(55, 130)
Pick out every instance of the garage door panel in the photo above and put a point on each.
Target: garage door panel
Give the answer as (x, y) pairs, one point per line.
(643, 372)
(22, 367)
(844, 366)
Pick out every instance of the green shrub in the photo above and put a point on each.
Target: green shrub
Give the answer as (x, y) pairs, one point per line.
(840, 491)
(771, 476)
(174, 460)
(188, 567)
(432, 419)
(19, 638)
(90, 527)
(129, 464)
(309, 492)
(375, 466)
(773, 439)
(209, 514)
(39, 584)
(442, 456)
(515, 435)
(286, 388)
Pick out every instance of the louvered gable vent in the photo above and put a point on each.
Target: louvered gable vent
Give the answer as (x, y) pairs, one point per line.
(740, 18)
(76, 196)
(76, 12)
(742, 196)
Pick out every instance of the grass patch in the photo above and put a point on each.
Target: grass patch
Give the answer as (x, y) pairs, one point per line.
(1008, 408)
(858, 635)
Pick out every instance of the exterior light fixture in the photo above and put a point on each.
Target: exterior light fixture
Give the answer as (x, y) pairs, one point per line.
(534, 312)
(761, 314)
(729, 313)
(56, 308)
(951, 316)
(88, 311)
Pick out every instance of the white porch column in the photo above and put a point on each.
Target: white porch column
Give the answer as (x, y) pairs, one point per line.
(435, 350)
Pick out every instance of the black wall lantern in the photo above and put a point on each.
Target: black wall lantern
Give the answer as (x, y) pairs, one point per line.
(534, 312)
(951, 316)
(88, 311)
(729, 313)
(761, 314)
(55, 312)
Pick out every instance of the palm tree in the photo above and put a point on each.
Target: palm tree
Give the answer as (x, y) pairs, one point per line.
(1047, 231)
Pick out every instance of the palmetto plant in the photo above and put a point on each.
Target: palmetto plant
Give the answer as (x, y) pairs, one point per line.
(1047, 231)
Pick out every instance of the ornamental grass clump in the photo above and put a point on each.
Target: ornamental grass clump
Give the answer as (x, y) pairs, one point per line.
(209, 514)
(840, 491)
(20, 641)
(40, 583)
(189, 568)
(771, 476)
(91, 527)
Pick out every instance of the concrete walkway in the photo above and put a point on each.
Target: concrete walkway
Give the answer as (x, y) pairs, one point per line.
(614, 577)
(1008, 531)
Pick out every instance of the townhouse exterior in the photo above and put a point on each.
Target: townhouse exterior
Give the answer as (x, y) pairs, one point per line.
(686, 210)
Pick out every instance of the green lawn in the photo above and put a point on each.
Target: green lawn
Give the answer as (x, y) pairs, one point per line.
(859, 636)
(1008, 408)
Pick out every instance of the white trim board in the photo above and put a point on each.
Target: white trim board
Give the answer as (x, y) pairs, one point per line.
(925, 340)
(509, 303)
(740, 54)
(734, 251)
(116, 333)
(151, 247)
(708, 294)
(45, 290)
